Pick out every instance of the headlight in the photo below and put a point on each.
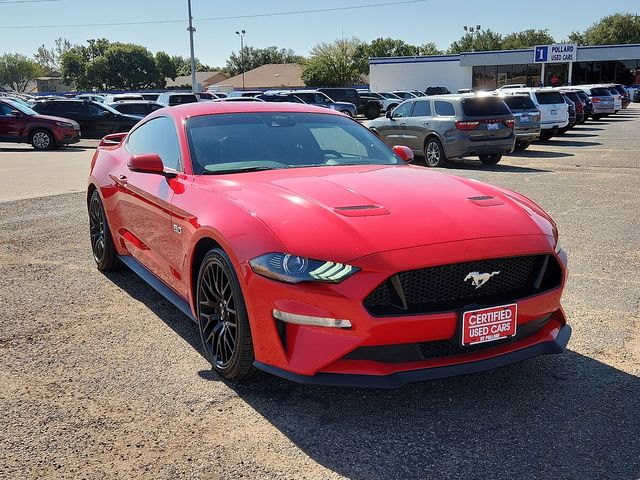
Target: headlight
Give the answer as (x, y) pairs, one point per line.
(294, 269)
(65, 124)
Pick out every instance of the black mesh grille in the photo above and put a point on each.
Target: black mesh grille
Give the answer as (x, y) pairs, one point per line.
(444, 288)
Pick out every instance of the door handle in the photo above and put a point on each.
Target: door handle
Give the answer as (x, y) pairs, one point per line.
(122, 179)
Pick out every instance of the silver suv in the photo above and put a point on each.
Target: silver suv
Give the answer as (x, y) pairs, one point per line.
(554, 112)
(444, 127)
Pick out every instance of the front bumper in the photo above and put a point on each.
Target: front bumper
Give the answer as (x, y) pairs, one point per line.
(309, 351)
(551, 345)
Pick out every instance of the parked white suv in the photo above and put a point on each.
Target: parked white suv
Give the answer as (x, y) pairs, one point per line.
(554, 112)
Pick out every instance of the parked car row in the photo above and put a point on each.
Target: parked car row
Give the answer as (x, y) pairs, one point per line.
(490, 124)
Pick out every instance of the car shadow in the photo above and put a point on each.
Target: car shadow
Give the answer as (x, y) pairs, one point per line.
(558, 142)
(574, 133)
(587, 129)
(474, 164)
(559, 416)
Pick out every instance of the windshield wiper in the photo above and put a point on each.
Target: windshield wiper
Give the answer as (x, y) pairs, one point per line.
(256, 168)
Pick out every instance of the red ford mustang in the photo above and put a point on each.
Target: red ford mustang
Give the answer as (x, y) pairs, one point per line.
(303, 246)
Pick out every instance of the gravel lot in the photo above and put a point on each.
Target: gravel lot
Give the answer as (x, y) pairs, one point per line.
(101, 378)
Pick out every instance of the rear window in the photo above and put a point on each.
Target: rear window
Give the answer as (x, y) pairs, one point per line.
(519, 102)
(547, 98)
(573, 96)
(179, 99)
(487, 106)
(444, 109)
(600, 92)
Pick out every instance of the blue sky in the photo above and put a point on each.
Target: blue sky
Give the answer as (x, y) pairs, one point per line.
(429, 21)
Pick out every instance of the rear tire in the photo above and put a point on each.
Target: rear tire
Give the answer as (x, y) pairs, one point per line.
(222, 318)
(434, 155)
(102, 247)
(596, 117)
(492, 159)
(41, 139)
(371, 111)
(562, 131)
(544, 136)
(522, 145)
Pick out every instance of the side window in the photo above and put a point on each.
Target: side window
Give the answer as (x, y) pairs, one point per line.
(94, 110)
(5, 109)
(404, 109)
(157, 136)
(422, 109)
(71, 108)
(444, 109)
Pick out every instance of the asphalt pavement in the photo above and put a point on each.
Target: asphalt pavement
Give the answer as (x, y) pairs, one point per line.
(102, 378)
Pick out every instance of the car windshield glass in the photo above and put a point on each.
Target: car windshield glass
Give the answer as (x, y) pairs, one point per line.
(238, 142)
(519, 102)
(391, 95)
(105, 107)
(22, 108)
(600, 92)
(547, 98)
(475, 107)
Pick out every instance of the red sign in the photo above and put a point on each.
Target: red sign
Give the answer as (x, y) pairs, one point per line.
(489, 324)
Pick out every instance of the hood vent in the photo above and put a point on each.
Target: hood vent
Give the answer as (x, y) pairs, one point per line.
(485, 201)
(361, 210)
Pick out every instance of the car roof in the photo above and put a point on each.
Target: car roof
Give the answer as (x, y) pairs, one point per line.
(188, 110)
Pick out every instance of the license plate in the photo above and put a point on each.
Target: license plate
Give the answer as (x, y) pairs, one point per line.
(489, 324)
(554, 112)
(493, 126)
(524, 119)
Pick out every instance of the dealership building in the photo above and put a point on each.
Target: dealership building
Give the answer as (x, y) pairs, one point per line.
(548, 65)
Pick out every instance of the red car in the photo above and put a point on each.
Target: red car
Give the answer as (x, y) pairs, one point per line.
(20, 124)
(303, 246)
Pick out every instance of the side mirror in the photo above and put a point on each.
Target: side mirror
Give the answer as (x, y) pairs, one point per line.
(405, 153)
(15, 114)
(389, 114)
(148, 163)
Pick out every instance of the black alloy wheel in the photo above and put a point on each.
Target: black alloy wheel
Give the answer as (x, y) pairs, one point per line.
(104, 252)
(222, 318)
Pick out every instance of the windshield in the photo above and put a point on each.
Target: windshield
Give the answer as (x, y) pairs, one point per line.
(237, 142)
(22, 108)
(391, 95)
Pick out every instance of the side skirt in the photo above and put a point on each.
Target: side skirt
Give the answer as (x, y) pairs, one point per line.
(158, 285)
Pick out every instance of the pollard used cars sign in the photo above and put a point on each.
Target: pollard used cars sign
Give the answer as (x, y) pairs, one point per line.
(560, 52)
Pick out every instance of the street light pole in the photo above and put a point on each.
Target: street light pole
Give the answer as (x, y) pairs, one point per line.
(193, 58)
(473, 31)
(241, 34)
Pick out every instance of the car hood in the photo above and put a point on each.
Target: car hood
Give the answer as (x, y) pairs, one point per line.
(51, 118)
(343, 213)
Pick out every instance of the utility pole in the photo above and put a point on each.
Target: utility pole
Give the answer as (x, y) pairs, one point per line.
(193, 58)
(241, 34)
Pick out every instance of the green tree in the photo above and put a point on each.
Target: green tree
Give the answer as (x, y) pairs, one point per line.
(165, 66)
(382, 47)
(527, 39)
(332, 64)
(16, 71)
(183, 65)
(429, 48)
(482, 41)
(256, 57)
(576, 37)
(73, 64)
(49, 58)
(130, 67)
(619, 28)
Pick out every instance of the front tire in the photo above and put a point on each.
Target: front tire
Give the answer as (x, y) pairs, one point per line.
(492, 159)
(222, 318)
(41, 139)
(102, 247)
(434, 155)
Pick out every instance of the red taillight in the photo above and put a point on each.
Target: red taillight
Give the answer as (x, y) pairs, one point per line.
(509, 123)
(467, 125)
(595, 100)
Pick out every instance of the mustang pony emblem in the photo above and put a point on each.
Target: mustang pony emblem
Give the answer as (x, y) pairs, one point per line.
(478, 279)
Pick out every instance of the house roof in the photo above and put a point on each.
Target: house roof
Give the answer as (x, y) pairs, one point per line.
(201, 77)
(271, 75)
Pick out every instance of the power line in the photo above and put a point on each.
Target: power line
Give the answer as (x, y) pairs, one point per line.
(2, 2)
(211, 19)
